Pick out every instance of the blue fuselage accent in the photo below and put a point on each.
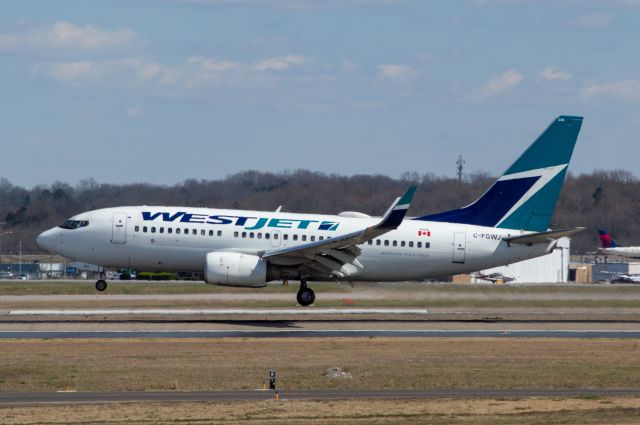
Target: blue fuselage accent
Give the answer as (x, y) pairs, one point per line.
(491, 207)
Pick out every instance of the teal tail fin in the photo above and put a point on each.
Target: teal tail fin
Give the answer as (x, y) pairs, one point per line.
(525, 197)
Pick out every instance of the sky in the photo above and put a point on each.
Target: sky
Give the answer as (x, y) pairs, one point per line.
(160, 91)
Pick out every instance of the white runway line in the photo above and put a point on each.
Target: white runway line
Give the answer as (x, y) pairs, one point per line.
(220, 311)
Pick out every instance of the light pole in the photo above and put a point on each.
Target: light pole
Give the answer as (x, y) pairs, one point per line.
(1, 235)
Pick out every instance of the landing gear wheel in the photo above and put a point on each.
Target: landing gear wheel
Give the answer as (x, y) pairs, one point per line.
(101, 285)
(306, 296)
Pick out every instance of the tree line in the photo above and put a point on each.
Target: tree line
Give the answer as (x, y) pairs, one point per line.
(606, 199)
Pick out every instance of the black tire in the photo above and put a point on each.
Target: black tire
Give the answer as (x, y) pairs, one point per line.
(101, 285)
(306, 296)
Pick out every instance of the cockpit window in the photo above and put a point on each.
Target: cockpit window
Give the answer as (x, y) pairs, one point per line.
(74, 224)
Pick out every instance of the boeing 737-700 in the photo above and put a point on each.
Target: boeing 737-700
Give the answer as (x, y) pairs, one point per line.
(508, 223)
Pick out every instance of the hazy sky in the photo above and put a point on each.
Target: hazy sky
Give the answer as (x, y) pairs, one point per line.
(160, 91)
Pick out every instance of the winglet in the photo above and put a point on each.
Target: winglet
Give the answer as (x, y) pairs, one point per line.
(396, 212)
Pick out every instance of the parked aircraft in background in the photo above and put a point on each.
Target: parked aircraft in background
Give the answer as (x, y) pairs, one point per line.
(618, 277)
(508, 223)
(611, 247)
(494, 277)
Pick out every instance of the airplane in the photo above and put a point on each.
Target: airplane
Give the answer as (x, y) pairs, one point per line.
(506, 224)
(494, 277)
(618, 277)
(611, 247)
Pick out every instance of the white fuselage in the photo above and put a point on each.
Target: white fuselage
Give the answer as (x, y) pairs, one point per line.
(623, 251)
(178, 239)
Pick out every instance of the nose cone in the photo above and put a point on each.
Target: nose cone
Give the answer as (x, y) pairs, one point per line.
(48, 239)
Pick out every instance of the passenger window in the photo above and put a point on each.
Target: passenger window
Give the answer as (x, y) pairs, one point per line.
(251, 235)
(162, 230)
(313, 238)
(402, 244)
(186, 231)
(304, 238)
(244, 234)
(378, 242)
(427, 244)
(285, 237)
(395, 243)
(259, 235)
(321, 238)
(137, 228)
(210, 232)
(275, 236)
(410, 244)
(194, 231)
(386, 242)
(295, 237)
(369, 242)
(219, 232)
(268, 236)
(144, 229)
(153, 230)
(169, 230)
(204, 232)
(235, 234)
(419, 244)
(178, 231)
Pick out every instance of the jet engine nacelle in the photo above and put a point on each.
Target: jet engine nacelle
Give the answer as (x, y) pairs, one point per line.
(235, 269)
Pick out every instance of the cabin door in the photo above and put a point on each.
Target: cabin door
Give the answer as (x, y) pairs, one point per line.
(119, 228)
(459, 247)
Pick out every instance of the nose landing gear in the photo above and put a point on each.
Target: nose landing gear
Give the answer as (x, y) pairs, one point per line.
(101, 284)
(305, 296)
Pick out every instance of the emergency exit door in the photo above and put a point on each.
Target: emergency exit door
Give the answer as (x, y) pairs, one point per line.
(119, 228)
(459, 247)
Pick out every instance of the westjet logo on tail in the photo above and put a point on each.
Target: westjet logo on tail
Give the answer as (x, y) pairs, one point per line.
(248, 223)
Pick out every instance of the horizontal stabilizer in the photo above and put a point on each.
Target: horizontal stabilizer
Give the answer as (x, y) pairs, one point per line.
(542, 237)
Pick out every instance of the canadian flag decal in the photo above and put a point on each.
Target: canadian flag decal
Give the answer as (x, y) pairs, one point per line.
(424, 232)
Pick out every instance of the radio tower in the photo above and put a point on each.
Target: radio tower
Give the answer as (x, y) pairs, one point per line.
(460, 163)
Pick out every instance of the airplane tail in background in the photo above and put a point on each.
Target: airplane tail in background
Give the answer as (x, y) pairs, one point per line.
(525, 196)
(606, 240)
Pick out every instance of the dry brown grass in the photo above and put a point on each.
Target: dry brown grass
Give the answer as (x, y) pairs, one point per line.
(374, 412)
(202, 364)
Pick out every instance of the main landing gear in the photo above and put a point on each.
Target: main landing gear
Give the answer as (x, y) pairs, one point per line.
(305, 296)
(101, 284)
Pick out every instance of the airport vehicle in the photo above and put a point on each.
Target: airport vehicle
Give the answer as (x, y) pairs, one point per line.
(611, 247)
(508, 223)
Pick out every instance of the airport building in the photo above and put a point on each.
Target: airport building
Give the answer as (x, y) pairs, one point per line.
(552, 268)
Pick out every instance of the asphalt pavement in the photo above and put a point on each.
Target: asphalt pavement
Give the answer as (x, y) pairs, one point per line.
(22, 399)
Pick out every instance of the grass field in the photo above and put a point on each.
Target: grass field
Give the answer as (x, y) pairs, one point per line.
(400, 363)
(80, 287)
(364, 295)
(374, 363)
(360, 412)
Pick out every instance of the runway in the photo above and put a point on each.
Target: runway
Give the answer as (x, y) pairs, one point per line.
(325, 333)
(22, 399)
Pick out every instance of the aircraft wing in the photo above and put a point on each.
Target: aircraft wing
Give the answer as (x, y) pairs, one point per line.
(337, 255)
(542, 237)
